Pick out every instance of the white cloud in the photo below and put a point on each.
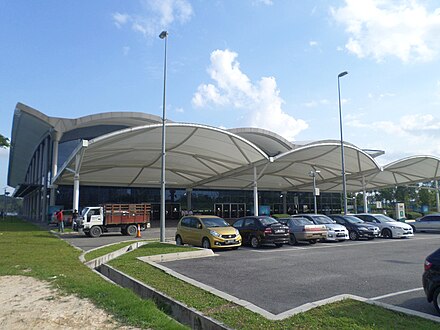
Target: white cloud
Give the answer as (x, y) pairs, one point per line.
(378, 29)
(313, 43)
(263, 2)
(410, 134)
(180, 110)
(260, 100)
(316, 103)
(161, 15)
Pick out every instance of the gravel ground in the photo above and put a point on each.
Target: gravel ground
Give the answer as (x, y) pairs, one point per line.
(27, 303)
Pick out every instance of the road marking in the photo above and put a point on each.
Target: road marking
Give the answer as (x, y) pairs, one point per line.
(395, 294)
(333, 245)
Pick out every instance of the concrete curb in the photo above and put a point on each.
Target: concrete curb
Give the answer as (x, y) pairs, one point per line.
(178, 310)
(202, 253)
(95, 263)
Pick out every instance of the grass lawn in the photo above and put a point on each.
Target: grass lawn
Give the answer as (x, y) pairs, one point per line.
(347, 314)
(27, 250)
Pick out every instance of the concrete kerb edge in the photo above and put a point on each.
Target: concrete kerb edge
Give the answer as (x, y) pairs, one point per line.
(95, 263)
(180, 311)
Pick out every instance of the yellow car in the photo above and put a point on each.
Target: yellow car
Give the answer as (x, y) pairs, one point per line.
(207, 231)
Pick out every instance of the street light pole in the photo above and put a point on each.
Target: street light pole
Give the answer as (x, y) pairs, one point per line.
(163, 35)
(313, 173)
(344, 184)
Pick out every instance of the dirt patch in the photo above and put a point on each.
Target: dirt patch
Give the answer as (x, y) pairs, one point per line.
(27, 303)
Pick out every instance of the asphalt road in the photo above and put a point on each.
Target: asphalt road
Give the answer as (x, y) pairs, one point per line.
(281, 279)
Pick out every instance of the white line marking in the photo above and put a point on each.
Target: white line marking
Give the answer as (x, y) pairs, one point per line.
(333, 245)
(395, 294)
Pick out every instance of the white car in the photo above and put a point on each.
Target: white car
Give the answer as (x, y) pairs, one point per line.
(389, 228)
(335, 231)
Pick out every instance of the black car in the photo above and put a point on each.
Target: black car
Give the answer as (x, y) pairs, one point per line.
(260, 230)
(356, 227)
(431, 279)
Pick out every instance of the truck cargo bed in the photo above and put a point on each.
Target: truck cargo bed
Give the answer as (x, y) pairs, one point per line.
(116, 214)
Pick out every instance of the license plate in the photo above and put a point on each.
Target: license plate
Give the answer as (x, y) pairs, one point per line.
(279, 231)
(230, 242)
(340, 235)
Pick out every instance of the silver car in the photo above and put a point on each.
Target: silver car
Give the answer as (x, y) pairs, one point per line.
(335, 231)
(389, 227)
(429, 222)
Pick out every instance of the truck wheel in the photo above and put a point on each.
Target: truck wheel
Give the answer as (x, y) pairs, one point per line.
(132, 230)
(95, 231)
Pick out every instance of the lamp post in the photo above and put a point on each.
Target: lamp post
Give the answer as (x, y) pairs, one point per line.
(5, 197)
(313, 173)
(344, 184)
(163, 35)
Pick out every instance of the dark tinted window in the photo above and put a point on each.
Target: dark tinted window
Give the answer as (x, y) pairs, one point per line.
(186, 222)
(249, 223)
(238, 223)
(431, 218)
(266, 221)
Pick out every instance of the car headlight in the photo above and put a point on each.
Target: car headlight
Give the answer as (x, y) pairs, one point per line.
(214, 233)
(363, 228)
(237, 233)
(395, 227)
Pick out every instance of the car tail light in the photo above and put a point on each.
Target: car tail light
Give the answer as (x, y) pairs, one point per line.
(428, 265)
(268, 231)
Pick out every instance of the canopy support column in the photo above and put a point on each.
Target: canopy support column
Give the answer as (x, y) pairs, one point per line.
(365, 195)
(255, 192)
(75, 205)
(284, 202)
(78, 161)
(437, 197)
(56, 136)
(189, 198)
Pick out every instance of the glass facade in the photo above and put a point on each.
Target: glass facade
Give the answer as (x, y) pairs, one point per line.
(234, 203)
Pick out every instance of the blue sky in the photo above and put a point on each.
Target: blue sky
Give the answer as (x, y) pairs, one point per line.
(269, 64)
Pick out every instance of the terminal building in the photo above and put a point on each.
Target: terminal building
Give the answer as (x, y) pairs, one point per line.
(115, 157)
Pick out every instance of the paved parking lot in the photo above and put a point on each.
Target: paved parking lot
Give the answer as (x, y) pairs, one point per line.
(281, 279)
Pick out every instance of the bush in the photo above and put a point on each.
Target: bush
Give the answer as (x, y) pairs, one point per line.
(413, 215)
(281, 215)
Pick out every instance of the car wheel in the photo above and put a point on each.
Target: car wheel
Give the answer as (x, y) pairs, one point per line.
(95, 231)
(353, 235)
(292, 239)
(206, 244)
(131, 230)
(312, 241)
(278, 245)
(436, 299)
(386, 233)
(179, 240)
(255, 243)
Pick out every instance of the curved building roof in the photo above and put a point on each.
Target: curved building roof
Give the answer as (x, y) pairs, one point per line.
(31, 126)
(132, 157)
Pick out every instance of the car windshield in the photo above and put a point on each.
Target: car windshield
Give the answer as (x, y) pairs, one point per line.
(353, 219)
(84, 211)
(215, 222)
(267, 221)
(301, 221)
(383, 218)
(322, 219)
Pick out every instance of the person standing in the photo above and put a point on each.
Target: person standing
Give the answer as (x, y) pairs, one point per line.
(74, 219)
(60, 218)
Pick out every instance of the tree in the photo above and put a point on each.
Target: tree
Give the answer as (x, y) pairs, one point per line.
(4, 142)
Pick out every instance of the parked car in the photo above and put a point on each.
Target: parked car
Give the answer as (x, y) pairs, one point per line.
(389, 228)
(431, 279)
(207, 231)
(335, 231)
(356, 227)
(302, 229)
(257, 231)
(428, 222)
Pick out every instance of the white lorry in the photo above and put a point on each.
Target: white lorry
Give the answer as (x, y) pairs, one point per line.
(124, 218)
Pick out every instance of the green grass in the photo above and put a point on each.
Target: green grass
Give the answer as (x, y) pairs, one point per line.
(347, 314)
(107, 249)
(27, 250)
